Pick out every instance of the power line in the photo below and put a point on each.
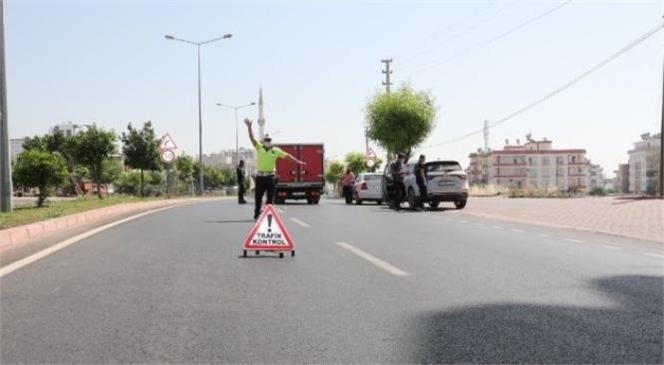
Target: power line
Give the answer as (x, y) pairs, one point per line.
(560, 89)
(462, 32)
(492, 40)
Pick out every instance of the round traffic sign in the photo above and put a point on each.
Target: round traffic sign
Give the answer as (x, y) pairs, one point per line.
(168, 156)
(370, 163)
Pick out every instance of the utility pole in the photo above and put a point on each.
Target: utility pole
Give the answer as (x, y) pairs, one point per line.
(5, 164)
(661, 146)
(387, 83)
(387, 71)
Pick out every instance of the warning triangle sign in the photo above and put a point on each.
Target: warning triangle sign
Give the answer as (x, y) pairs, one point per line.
(269, 233)
(167, 143)
(371, 155)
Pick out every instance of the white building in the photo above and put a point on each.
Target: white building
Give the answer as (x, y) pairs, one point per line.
(644, 164)
(596, 178)
(70, 129)
(533, 165)
(15, 147)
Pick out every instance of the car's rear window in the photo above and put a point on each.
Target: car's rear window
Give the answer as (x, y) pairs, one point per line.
(444, 167)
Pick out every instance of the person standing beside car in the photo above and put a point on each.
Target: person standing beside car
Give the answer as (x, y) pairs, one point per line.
(397, 171)
(347, 185)
(421, 181)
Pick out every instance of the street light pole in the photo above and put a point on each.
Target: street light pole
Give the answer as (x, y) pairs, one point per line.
(200, 111)
(235, 109)
(200, 129)
(5, 164)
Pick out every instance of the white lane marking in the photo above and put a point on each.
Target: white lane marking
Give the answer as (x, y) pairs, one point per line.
(544, 235)
(281, 210)
(372, 259)
(299, 222)
(497, 227)
(55, 248)
(479, 224)
(518, 230)
(463, 222)
(573, 240)
(654, 255)
(611, 247)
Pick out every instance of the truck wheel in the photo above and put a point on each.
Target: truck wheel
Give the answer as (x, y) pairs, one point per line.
(317, 200)
(310, 201)
(380, 202)
(412, 199)
(434, 204)
(460, 204)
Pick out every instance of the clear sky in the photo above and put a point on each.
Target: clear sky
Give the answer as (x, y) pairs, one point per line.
(319, 62)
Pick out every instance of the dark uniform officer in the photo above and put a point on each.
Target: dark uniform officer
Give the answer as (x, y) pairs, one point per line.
(241, 182)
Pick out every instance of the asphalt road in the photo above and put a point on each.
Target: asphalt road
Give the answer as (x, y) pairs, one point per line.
(368, 285)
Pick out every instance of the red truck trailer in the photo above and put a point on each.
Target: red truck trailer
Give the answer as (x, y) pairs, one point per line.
(301, 182)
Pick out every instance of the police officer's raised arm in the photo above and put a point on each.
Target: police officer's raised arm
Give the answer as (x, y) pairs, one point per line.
(295, 159)
(248, 122)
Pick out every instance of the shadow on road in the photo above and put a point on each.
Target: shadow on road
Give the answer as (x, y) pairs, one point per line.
(632, 332)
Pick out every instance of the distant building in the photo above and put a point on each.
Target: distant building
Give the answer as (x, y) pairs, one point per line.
(16, 147)
(226, 159)
(70, 129)
(644, 164)
(595, 176)
(621, 180)
(534, 164)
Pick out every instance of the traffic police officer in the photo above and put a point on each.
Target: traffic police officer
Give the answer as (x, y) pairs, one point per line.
(266, 158)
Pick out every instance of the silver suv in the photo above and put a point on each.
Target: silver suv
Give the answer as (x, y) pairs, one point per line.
(446, 182)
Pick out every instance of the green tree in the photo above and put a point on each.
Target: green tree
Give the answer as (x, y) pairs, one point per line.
(184, 165)
(42, 170)
(401, 120)
(91, 149)
(141, 149)
(334, 172)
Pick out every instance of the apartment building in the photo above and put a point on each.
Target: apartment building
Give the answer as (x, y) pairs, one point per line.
(644, 164)
(534, 164)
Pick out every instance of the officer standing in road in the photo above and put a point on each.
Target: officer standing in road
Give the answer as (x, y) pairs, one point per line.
(241, 182)
(266, 159)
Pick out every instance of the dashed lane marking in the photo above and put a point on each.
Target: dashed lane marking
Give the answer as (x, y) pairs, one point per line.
(372, 259)
(299, 222)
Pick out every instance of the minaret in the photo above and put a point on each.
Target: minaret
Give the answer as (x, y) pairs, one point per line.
(261, 117)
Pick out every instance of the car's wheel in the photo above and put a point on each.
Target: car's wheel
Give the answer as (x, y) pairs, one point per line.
(460, 204)
(412, 199)
(434, 204)
(358, 201)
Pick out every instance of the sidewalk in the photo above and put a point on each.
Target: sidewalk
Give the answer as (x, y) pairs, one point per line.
(642, 219)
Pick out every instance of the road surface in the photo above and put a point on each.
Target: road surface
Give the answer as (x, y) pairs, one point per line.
(368, 285)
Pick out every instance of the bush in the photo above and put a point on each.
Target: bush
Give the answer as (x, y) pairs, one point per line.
(597, 192)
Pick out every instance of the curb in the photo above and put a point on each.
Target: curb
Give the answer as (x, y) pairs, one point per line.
(16, 236)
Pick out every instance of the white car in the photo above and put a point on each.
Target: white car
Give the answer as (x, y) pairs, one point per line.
(368, 187)
(446, 182)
